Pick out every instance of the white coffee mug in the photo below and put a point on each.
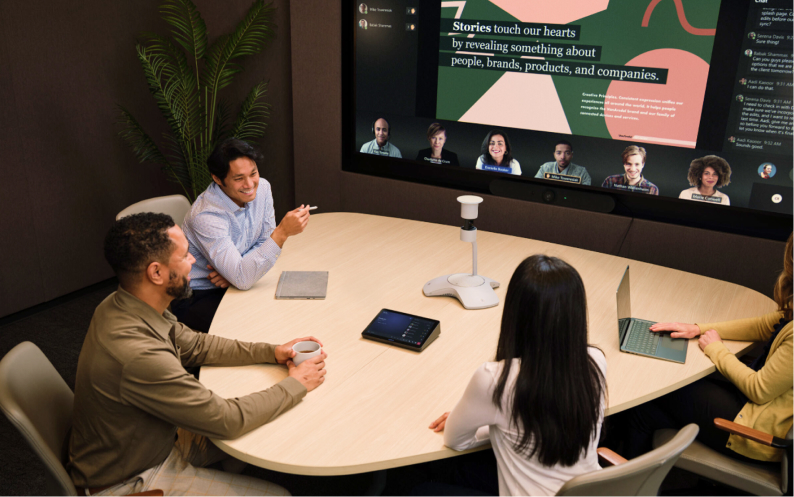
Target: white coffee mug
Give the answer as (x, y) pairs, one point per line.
(305, 350)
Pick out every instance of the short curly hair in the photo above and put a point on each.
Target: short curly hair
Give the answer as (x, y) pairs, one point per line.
(720, 166)
(136, 241)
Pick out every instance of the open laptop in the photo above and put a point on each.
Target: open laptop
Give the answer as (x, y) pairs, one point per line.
(635, 335)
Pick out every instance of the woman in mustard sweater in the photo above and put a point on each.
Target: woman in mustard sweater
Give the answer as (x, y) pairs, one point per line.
(758, 396)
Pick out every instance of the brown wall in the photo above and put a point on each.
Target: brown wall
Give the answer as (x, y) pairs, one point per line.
(66, 173)
(316, 89)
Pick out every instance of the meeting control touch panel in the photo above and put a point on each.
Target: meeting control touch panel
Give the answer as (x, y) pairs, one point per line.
(403, 330)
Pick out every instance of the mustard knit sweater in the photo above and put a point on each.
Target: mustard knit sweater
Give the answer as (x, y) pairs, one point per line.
(769, 390)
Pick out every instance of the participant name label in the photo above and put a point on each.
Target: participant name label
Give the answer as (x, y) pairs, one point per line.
(704, 198)
(563, 177)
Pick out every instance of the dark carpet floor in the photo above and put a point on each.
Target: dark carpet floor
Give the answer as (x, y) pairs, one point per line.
(58, 328)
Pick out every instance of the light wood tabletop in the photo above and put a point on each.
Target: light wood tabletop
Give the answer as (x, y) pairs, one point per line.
(373, 410)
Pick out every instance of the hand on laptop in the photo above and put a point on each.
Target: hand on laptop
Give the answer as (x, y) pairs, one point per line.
(679, 330)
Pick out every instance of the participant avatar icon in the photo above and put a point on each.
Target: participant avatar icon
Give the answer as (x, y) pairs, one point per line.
(751, 35)
(410, 27)
(743, 81)
(410, 11)
(767, 170)
(363, 8)
(732, 139)
(748, 52)
(362, 24)
(740, 98)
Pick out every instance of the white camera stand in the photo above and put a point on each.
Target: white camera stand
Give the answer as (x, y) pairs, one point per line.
(473, 291)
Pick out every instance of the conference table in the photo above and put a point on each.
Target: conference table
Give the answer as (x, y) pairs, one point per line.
(373, 410)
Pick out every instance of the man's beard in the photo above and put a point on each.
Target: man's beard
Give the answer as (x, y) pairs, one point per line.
(178, 289)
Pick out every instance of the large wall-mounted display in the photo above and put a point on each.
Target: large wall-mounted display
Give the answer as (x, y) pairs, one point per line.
(676, 110)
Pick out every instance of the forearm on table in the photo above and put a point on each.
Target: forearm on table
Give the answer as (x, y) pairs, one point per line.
(757, 329)
(189, 405)
(243, 271)
(202, 349)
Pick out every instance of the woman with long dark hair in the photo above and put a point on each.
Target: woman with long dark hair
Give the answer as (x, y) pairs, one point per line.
(543, 397)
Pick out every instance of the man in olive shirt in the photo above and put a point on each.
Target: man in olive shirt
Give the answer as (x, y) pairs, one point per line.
(132, 391)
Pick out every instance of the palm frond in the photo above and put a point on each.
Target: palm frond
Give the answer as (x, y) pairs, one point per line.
(177, 168)
(248, 38)
(141, 143)
(221, 127)
(250, 123)
(189, 28)
(180, 84)
(163, 91)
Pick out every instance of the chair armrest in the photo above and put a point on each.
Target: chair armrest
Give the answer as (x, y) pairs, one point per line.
(608, 457)
(751, 433)
(151, 493)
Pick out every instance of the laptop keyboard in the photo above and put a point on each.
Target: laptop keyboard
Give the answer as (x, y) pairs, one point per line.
(641, 339)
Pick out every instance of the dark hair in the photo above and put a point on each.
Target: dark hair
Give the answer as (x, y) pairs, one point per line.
(486, 155)
(558, 394)
(564, 142)
(783, 287)
(230, 150)
(136, 241)
(720, 166)
(434, 129)
(633, 150)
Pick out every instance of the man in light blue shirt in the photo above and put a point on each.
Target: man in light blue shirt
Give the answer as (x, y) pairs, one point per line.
(381, 145)
(232, 232)
(561, 168)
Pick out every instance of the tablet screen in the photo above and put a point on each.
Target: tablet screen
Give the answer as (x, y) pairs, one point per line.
(400, 327)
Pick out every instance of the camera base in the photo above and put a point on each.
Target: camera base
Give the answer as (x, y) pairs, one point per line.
(474, 292)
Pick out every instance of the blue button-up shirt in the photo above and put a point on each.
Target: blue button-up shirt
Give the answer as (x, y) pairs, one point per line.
(234, 240)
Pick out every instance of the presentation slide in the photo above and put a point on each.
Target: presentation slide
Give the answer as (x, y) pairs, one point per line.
(620, 69)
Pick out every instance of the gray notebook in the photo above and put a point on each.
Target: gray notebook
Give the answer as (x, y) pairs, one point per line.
(302, 285)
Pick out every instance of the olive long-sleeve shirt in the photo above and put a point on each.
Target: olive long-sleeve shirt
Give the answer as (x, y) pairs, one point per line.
(132, 391)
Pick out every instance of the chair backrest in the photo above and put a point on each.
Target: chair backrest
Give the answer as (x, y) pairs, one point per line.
(176, 206)
(39, 403)
(640, 476)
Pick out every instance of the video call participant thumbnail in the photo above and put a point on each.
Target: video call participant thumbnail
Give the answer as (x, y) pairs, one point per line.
(632, 180)
(381, 144)
(496, 154)
(562, 167)
(140, 420)
(706, 174)
(232, 231)
(437, 136)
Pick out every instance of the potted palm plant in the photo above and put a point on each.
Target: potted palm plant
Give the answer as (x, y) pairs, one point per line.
(185, 75)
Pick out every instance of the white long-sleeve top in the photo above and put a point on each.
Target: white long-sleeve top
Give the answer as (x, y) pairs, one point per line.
(518, 475)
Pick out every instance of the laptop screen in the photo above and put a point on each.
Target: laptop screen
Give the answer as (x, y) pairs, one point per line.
(624, 304)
